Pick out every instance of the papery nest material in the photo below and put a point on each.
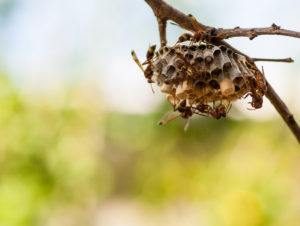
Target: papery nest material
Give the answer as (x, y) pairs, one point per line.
(203, 79)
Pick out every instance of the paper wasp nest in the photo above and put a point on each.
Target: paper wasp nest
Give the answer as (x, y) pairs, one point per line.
(203, 78)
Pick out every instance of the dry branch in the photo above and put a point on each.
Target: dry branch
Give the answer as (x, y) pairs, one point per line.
(165, 12)
(284, 60)
(283, 110)
(252, 33)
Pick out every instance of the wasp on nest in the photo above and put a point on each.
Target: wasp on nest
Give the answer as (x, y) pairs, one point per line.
(200, 78)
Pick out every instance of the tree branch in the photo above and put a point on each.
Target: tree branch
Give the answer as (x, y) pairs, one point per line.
(252, 33)
(283, 111)
(165, 12)
(284, 60)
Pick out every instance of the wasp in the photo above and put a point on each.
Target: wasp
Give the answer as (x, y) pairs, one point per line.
(203, 109)
(258, 87)
(185, 37)
(256, 94)
(220, 111)
(148, 72)
(180, 110)
(150, 54)
(184, 110)
(214, 111)
(197, 37)
(261, 81)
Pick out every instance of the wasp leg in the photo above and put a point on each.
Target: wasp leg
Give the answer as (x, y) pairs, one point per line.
(152, 88)
(228, 108)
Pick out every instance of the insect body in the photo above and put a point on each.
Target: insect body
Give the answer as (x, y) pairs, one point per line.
(150, 53)
(148, 72)
(256, 94)
(216, 112)
(185, 37)
(197, 37)
(220, 111)
(184, 109)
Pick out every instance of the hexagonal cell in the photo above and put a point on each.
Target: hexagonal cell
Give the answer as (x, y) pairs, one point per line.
(200, 84)
(193, 48)
(205, 75)
(179, 63)
(202, 47)
(227, 66)
(216, 52)
(229, 52)
(239, 81)
(214, 84)
(188, 56)
(208, 56)
(172, 52)
(223, 48)
(171, 70)
(184, 48)
(216, 73)
(227, 87)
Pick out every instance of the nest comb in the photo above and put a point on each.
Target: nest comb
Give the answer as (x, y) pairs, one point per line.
(194, 77)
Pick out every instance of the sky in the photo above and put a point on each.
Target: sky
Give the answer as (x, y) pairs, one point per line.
(45, 45)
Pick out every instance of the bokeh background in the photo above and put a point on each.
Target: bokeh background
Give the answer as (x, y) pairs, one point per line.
(79, 140)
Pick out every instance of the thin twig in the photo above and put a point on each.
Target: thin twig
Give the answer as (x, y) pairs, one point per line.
(252, 33)
(165, 12)
(284, 60)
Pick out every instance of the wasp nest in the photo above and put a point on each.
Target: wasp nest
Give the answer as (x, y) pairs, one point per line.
(202, 78)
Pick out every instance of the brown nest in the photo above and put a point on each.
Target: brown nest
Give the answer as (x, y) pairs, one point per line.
(202, 78)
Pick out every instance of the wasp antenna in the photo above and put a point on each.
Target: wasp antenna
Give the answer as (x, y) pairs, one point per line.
(136, 60)
(146, 62)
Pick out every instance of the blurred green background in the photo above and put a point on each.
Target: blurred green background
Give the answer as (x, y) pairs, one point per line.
(70, 156)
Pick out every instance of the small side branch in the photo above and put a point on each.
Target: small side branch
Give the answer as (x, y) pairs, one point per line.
(283, 111)
(252, 33)
(284, 60)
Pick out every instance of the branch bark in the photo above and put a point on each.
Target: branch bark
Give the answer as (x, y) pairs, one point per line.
(284, 60)
(283, 110)
(252, 33)
(165, 12)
